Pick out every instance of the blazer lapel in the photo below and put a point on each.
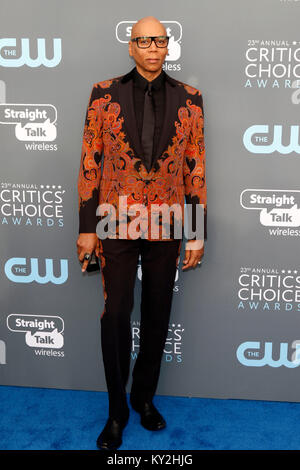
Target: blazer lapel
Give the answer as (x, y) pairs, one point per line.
(171, 115)
(125, 98)
(125, 88)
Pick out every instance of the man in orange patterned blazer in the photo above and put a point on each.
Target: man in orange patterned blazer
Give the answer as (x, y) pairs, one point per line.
(114, 167)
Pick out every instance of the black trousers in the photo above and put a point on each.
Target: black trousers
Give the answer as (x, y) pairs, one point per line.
(119, 261)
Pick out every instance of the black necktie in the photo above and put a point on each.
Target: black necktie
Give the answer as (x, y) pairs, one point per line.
(148, 128)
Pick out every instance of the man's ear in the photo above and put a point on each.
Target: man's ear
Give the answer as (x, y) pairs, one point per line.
(130, 48)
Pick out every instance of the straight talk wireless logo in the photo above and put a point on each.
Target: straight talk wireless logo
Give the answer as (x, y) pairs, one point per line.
(44, 333)
(34, 124)
(278, 210)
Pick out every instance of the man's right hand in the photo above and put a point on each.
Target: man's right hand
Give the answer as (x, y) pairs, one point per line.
(87, 243)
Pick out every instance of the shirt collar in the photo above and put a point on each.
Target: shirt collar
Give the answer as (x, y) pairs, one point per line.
(130, 75)
(142, 82)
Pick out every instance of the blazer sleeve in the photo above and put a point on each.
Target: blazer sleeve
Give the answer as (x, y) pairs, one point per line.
(194, 171)
(90, 165)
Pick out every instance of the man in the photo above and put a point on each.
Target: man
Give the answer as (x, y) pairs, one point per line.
(150, 130)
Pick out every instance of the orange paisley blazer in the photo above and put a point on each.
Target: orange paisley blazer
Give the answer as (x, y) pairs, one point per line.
(112, 158)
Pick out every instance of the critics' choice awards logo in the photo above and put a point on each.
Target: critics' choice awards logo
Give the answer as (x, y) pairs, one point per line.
(2, 352)
(268, 289)
(173, 346)
(272, 64)
(21, 270)
(34, 123)
(31, 52)
(174, 31)
(259, 354)
(31, 205)
(276, 208)
(265, 139)
(41, 331)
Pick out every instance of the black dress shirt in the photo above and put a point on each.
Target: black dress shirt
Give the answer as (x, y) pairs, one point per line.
(159, 97)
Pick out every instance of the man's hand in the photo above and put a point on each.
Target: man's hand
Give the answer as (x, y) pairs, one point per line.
(193, 253)
(87, 243)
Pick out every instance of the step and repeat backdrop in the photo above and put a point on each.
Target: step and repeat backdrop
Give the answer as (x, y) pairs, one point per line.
(235, 323)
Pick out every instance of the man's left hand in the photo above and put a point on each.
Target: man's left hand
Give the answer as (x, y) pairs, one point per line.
(193, 253)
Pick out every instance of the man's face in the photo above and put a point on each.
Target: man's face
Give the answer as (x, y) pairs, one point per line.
(152, 58)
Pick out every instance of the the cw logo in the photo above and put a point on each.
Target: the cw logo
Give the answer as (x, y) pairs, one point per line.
(20, 274)
(7, 55)
(249, 353)
(259, 133)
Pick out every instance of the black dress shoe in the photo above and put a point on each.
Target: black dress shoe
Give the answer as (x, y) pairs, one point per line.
(111, 436)
(150, 417)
